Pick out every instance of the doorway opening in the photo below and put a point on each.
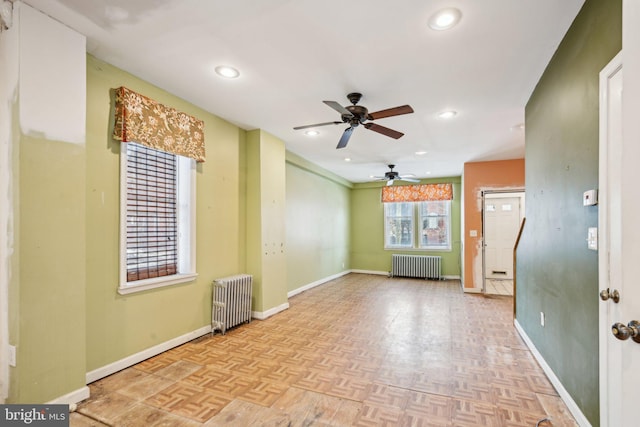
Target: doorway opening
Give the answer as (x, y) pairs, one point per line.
(502, 214)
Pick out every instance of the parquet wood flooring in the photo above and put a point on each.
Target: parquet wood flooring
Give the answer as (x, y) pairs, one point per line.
(361, 350)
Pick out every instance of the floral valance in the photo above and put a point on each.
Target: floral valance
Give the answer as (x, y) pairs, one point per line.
(147, 122)
(417, 193)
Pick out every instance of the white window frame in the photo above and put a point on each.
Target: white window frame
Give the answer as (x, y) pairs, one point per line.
(186, 218)
(420, 230)
(416, 229)
(387, 236)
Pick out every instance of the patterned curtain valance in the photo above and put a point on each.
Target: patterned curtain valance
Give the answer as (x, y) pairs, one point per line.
(417, 193)
(147, 122)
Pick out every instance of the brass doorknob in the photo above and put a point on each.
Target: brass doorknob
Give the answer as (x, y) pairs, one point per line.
(622, 332)
(606, 295)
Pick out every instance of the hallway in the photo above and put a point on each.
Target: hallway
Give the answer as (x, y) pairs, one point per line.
(360, 350)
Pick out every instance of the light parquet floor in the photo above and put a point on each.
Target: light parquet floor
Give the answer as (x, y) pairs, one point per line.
(499, 286)
(361, 350)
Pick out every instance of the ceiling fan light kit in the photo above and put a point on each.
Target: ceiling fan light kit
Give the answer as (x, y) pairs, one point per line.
(355, 115)
(392, 176)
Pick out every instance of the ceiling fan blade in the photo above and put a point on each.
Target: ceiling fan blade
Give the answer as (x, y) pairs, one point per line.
(384, 130)
(345, 137)
(316, 125)
(389, 112)
(408, 179)
(339, 108)
(390, 182)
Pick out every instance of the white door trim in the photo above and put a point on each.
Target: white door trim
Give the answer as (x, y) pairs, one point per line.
(608, 402)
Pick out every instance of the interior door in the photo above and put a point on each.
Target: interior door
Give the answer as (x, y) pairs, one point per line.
(501, 225)
(619, 269)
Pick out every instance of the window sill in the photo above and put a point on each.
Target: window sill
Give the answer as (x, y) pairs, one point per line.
(156, 282)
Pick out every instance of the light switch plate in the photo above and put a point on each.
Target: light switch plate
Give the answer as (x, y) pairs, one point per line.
(592, 238)
(12, 356)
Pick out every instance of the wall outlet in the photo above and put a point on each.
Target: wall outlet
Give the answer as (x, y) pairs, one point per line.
(12, 355)
(542, 319)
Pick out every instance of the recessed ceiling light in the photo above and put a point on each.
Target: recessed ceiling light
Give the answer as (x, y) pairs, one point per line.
(347, 159)
(312, 133)
(227, 71)
(428, 173)
(447, 114)
(445, 19)
(420, 153)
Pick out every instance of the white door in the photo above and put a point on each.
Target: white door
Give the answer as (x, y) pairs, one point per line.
(619, 255)
(500, 230)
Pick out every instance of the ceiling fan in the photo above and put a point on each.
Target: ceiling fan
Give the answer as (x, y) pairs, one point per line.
(356, 115)
(393, 176)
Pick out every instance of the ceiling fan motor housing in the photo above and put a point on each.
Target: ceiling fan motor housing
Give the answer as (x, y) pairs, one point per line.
(359, 114)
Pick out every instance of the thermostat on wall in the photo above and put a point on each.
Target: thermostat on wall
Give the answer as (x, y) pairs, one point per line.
(590, 198)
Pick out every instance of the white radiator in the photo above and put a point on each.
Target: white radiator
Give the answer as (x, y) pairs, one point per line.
(231, 302)
(423, 266)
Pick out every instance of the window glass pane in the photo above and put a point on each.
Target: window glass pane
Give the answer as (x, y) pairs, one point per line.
(435, 230)
(398, 225)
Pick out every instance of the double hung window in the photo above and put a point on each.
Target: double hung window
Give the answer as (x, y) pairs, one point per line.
(157, 218)
(418, 225)
(417, 217)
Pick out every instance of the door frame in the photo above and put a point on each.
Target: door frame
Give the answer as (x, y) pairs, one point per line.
(606, 369)
(497, 194)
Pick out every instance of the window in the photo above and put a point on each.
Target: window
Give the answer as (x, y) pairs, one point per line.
(398, 229)
(433, 220)
(157, 217)
(435, 224)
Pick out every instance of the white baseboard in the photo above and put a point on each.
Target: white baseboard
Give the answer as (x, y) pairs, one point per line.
(379, 273)
(388, 273)
(261, 315)
(71, 398)
(564, 394)
(121, 364)
(472, 290)
(316, 283)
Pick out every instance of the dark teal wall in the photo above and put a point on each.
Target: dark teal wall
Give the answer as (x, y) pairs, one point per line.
(556, 273)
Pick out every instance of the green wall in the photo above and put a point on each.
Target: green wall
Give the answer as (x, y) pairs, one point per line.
(266, 207)
(120, 325)
(317, 217)
(367, 230)
(51, 253)
(46, 227)
(556, 272)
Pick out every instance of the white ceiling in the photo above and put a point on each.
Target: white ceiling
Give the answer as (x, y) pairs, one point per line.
(293, 54)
